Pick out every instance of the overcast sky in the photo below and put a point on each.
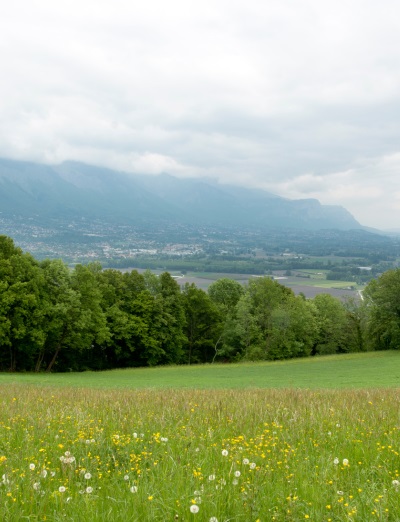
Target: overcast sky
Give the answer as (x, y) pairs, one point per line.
(299, 98)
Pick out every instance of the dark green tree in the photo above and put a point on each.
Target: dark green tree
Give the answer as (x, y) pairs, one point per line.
(20, 308)
(382, 301)
(203, 325)
(333, 325)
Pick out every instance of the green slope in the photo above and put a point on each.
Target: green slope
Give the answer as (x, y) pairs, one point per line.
(367, 370)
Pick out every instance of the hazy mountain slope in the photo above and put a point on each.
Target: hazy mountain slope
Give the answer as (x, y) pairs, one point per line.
(73, 190)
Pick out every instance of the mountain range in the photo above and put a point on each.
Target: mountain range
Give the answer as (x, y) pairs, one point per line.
(73, 190)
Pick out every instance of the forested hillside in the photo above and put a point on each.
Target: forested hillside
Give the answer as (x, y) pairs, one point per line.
(59, 319)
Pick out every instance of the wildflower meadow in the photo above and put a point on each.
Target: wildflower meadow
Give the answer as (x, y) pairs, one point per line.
(199, 455)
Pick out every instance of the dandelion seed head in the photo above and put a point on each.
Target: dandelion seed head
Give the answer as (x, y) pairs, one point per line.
(237, 473)
(88, 476)
(224, 453)
(32, 466)
(194, 508)
(246, 462)
(89, 489)
(61, 489)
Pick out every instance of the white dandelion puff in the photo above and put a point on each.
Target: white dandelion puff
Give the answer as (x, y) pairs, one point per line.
(194, 508)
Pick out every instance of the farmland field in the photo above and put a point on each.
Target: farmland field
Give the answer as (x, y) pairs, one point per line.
(310, 287)
(147, 444)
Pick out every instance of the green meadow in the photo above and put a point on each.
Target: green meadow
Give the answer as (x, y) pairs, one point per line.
(354, 370)
(311, 439)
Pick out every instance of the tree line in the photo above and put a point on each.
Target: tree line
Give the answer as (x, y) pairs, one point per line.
(54, 318)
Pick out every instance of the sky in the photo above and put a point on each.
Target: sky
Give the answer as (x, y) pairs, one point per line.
(301, 99)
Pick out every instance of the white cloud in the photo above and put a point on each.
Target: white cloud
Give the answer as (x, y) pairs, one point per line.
(300, 98)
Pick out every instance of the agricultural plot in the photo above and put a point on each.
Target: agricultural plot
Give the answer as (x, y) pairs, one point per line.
(310, 287)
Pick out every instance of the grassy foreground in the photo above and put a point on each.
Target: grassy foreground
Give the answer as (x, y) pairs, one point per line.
(90, 455)
(162, 454)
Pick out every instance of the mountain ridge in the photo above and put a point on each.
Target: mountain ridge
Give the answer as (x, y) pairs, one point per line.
(73, 189)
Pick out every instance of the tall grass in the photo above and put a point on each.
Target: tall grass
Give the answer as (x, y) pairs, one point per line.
(151, 455)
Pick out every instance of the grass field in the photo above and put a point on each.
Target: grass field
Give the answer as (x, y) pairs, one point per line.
(356, 370)
(312, 439)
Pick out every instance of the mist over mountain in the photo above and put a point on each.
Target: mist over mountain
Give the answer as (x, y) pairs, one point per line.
(74, 190)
